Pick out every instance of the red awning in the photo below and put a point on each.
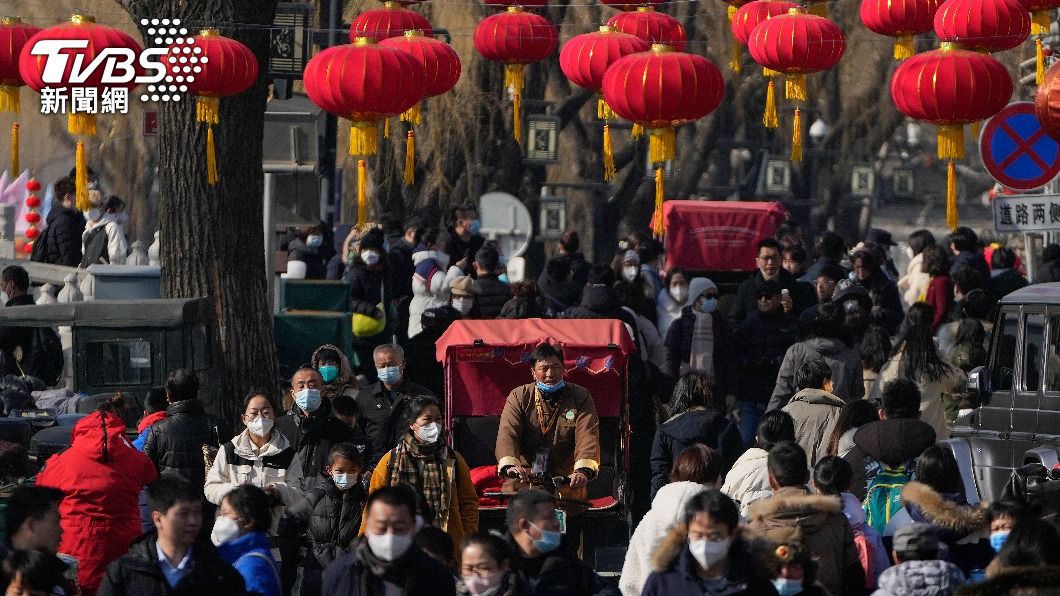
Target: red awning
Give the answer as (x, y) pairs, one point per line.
(718, 235)
(531, 332)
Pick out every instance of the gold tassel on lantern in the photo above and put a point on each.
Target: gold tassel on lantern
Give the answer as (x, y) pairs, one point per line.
(796, 136)
(662, 145)
(732, 13)
(81, 179)
(410, 159)
(770, 73)
(977, 127)
(513, 80)
(769, 118)
(658, 225)
(609, 156)
(364, 137)
(951, 141)
(15, 170)
(1040, 22)
(904, 47)
(951, 195)
(1039, 55)
(207, 109)
(604, 111)
(413, 115)
(637, 132)
(211, 158)
(386, 128)
(362, 193)
(795, 87)
(81, 124)
(9, 100)
(734, 55)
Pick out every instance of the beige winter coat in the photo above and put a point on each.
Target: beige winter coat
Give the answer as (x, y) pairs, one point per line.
(815, 412)
(748, 480)
(258, 466)
(915, 282)
(932, 393)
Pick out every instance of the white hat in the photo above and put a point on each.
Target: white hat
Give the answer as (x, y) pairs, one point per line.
(698, 285)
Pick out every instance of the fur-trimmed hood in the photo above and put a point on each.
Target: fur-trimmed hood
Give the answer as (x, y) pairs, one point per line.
(792, 512)
(1042, 581)
(946, 515)
(670, 548)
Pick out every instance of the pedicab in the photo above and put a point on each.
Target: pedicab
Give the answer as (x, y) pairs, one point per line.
(485, 360)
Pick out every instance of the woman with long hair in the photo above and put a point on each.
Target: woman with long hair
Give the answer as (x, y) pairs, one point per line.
(853, 416)
(695, 417)
(916, 358)
(875, 349)
(939, 292)
(914, 283)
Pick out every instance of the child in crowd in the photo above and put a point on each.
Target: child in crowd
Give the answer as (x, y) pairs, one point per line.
(832, 476)
(154, 410)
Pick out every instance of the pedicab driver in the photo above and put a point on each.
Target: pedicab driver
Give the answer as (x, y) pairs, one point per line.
(548, 427)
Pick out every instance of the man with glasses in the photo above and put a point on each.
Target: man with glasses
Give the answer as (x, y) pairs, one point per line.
(769, 260)
(548, 427)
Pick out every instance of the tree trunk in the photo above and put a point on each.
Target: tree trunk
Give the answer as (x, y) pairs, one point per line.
(211, 236)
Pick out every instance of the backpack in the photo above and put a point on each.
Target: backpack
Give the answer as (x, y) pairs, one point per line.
(883, 496)
(44, 359)
(96, 247)
(40, 246)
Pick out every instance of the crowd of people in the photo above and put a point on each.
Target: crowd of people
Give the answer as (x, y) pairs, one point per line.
(784, 438)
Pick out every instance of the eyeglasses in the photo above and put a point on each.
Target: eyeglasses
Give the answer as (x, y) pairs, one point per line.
(769, 258)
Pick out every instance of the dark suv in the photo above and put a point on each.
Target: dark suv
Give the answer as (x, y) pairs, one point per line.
(1018, 421)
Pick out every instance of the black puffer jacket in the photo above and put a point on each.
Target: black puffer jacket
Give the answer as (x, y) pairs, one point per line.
(762, 340)
(493, 294)
(312, 435)
(368, 289)
(138, 573)
(709, 427)
(559, 294)
(382, 414)
(64, 231)
(330, 520)
(175, 443)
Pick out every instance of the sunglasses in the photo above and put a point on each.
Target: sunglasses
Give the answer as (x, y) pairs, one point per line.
(766, 296)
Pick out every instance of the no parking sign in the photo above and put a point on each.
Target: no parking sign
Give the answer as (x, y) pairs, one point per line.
(1015, 149)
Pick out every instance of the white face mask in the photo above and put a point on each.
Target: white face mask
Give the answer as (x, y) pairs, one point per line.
(92, 214)
(389, 546)
(630, 273)
(679, 293)
(707, 553)
(260, 426)
(463, 305)
(428, 433)
(225, 529)
(370, 257)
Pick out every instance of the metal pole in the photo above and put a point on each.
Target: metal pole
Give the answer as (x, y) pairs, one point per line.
(1029, 250)
(270, 237)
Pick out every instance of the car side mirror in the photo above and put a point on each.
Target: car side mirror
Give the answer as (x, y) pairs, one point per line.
(978, 384)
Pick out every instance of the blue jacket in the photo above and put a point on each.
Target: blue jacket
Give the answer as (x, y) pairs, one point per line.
(680, 578)
(250, 554)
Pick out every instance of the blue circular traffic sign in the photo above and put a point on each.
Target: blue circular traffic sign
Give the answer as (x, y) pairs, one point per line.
(1015, 149)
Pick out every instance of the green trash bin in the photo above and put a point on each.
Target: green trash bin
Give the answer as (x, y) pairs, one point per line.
(315, 294)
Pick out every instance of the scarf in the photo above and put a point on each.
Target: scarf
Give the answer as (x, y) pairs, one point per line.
(423, 467)
(701, 358)
(397, 572)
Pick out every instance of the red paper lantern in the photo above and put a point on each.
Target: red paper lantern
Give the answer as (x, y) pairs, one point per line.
(901, 19)
(951, 87)
(519, 3)
(32, 233)
(661, 89)
(33, 185)
(749, 16)
(13, 36)
(651, 26)
(440, 62)
(983, 25)
(516, 38)
(389, 21)
(222, 66)
(99, 38)
(1047, 102)
(33, 217)
(32, 202)
(628, 5)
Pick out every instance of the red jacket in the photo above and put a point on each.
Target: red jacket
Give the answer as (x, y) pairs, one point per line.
(939, 295)
(101, 475)
(149, 420)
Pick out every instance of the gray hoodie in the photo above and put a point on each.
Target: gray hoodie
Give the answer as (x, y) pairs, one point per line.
(921, 578)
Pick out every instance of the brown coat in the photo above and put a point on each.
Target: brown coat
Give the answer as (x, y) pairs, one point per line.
(573, 441)
(815, 412)
(818, 523)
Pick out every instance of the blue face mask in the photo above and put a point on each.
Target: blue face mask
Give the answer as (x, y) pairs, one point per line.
(344, 480)
(475, 227)
(787, 587)
(328, 372)
(549, 540)
(314, 240)
(997, 540)
(546, 388)
(389, 375)
(308, 399)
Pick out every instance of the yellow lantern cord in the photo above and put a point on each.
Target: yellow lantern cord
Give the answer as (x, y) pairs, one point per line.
(637, 132)
(662, 145)
(770, 73)
(364, 137)
(1040, 22)
(81, 124)
(977, 127)
(769, 118)
(796, 136)
(732, 13)
(212, 175)
(795, 87)
(513, 80)
(386, 129)
(951, 195)
(1039, 55)
(9, 98)
(81, 179)
(734, 55)
(658, 225)
(609, 156)
(904, 47)
(15, 170)
(604, 111)
(410, 159)
(413, 115)
(362, 193)
(951, 141)
(207, 109)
